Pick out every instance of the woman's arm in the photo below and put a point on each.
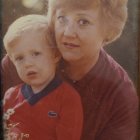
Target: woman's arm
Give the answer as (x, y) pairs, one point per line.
(9, 74)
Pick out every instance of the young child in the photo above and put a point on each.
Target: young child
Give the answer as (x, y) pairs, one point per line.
(44, 107)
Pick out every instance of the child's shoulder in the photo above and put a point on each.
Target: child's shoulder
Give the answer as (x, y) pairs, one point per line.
(67, 90)
(12, 93)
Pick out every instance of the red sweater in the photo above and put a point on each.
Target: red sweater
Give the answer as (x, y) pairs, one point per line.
(109, 99)
(53, 114)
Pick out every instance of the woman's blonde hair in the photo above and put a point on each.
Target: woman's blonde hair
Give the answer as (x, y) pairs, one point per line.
(113, 13)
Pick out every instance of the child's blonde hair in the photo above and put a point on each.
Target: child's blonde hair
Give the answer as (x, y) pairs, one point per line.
(113, 13)
(37, 23)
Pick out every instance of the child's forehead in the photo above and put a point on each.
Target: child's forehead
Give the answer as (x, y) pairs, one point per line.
(77, 4)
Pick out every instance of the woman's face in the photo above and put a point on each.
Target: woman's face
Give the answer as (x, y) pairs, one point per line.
(78, 33)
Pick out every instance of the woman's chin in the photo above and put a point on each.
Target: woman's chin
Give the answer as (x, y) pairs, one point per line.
(71, 58)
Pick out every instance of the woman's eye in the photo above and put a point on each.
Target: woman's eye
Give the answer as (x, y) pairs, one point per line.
(84, 22)
(61, 19)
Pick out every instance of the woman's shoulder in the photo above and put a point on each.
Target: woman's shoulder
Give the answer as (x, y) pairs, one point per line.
(107, 69)
(6, 61)
(111, 76)
(117, 77)
(112, 67)
(9, 74)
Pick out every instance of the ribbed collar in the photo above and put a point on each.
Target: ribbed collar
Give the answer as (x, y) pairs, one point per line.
(34, 98)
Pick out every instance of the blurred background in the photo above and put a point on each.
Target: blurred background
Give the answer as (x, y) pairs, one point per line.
(124, 50)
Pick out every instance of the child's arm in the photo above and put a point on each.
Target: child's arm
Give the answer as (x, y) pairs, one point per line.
(71, 116)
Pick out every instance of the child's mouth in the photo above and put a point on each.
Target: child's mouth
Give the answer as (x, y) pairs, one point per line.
(31, 74)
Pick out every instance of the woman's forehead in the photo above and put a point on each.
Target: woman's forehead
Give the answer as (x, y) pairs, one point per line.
(77, 4)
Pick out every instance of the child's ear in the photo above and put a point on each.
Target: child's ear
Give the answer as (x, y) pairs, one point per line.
(57, 55)
(10, 57)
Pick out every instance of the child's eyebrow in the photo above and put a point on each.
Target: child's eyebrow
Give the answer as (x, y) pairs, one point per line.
(18, 55)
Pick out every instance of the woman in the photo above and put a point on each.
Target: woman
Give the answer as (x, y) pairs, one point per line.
(82, 28)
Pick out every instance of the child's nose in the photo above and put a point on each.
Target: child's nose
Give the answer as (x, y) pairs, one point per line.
(28, 62)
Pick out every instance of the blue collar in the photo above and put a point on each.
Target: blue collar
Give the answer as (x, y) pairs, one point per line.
(34, 98)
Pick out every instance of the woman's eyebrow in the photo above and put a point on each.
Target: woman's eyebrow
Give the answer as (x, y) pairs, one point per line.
(60, 12)
(83, 14)
(86, 15)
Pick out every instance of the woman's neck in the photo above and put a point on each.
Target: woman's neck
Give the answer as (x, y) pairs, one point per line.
(78, 69)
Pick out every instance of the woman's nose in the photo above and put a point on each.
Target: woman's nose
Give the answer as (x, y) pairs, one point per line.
(70, 30)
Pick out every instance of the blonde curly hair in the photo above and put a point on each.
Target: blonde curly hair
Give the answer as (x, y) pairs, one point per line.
(37, 23)
(113, 13)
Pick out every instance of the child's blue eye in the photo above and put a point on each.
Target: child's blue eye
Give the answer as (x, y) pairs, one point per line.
(83, 22)
(19, 58)
(36, 53)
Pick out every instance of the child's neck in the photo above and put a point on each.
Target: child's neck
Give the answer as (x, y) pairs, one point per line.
(39, 87)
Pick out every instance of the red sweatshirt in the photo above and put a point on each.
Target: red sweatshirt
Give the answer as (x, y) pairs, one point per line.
(53, 114)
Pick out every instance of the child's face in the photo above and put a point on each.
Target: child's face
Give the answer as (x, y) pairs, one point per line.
(79, 33)
(34, 60)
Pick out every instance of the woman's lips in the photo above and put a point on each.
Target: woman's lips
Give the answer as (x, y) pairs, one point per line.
(70, 45)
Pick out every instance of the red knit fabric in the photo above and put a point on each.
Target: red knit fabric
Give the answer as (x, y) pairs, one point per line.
(109, 99)
(57, 116)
